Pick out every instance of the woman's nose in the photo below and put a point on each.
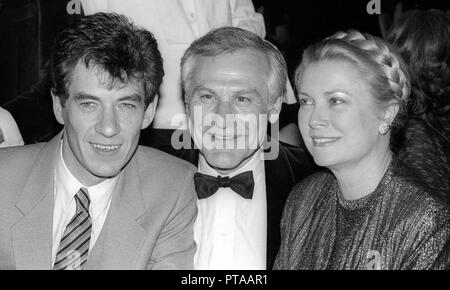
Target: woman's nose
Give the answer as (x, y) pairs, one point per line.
(319, 118)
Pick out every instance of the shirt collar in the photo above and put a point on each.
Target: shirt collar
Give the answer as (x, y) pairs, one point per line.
(67, 187)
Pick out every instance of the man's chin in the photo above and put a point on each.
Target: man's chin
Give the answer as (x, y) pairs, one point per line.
(226, 165)
(106, 173)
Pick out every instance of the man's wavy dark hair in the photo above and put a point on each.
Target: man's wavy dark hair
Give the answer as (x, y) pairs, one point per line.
(423, 39)
(116, 45)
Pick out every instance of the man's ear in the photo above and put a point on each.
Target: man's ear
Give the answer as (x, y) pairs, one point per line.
(186, 105)
(57, 107)
(274, 112)
(149, 113)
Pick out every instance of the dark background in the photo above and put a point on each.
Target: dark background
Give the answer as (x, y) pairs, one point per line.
(27, 28)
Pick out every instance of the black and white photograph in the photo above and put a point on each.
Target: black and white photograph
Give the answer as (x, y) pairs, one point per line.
(215, 136)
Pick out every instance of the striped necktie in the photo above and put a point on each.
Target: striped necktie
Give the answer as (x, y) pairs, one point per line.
(74, 246)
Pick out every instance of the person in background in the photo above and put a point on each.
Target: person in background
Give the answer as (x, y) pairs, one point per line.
(91, 198)
(9, 132)
(175, 25)
(423, 39)
(367, 210)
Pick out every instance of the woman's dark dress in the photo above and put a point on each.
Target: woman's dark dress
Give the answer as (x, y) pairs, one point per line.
(398, 226)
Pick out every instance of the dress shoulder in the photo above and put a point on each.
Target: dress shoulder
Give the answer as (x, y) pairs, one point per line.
(417, 208)
(307, 192)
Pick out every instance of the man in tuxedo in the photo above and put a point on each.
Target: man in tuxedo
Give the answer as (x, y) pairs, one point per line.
(234, 82)
(91, 198)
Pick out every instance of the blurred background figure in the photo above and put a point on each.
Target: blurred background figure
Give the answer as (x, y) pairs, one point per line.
(393, 10)
(19, 46)
(27, 30)
(423, 39)
(9, 133)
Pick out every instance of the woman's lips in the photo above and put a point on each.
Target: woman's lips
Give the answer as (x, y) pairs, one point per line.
(323, 141)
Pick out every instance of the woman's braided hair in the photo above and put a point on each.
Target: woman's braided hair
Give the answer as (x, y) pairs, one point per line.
(422, 37)
(377, 60)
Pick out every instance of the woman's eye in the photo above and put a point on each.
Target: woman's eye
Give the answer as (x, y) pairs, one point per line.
(304, 102)
(336, 101)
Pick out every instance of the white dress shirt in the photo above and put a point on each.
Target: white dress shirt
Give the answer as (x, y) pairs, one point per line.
(191, 15)
(66, 187)
(231, 231)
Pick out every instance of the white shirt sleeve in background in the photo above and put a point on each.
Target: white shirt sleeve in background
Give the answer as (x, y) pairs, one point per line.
(9, 132)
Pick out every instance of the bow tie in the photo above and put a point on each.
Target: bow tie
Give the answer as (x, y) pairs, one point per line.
(207, 185)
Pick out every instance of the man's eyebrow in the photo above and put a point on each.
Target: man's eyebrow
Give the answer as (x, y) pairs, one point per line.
(240, 92)
(247, 91)
(84, 96)
(134, 98)
(202, 88)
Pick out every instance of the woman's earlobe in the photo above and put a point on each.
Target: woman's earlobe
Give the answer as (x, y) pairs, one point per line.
(391, 112)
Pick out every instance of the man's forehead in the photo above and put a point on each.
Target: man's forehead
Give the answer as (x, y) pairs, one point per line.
(241, 66)
(95, 76)
(239, 55)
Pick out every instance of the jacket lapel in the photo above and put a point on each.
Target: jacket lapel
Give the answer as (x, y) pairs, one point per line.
(122, 237)
(279, 181)
(32, 235)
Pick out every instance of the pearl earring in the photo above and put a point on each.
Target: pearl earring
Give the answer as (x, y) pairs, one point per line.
(384, 128)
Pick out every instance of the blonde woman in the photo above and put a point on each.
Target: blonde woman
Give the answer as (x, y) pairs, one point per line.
(367, 211)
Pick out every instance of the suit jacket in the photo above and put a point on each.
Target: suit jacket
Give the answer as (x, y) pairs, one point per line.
(292, 165)
(149, 224)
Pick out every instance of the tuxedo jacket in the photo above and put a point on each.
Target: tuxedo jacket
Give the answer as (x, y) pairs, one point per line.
(292, 165)
(149, 224)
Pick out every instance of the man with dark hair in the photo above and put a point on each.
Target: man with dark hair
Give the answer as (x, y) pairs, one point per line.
(234, 82)
(91, 198)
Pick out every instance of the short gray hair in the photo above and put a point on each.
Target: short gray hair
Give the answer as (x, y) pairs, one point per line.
(227, 40)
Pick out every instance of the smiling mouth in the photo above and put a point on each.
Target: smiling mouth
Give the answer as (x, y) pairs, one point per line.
(105, 148)
(323, 141)
(222, 137)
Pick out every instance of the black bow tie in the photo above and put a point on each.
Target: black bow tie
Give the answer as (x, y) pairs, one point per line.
(207, 185)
